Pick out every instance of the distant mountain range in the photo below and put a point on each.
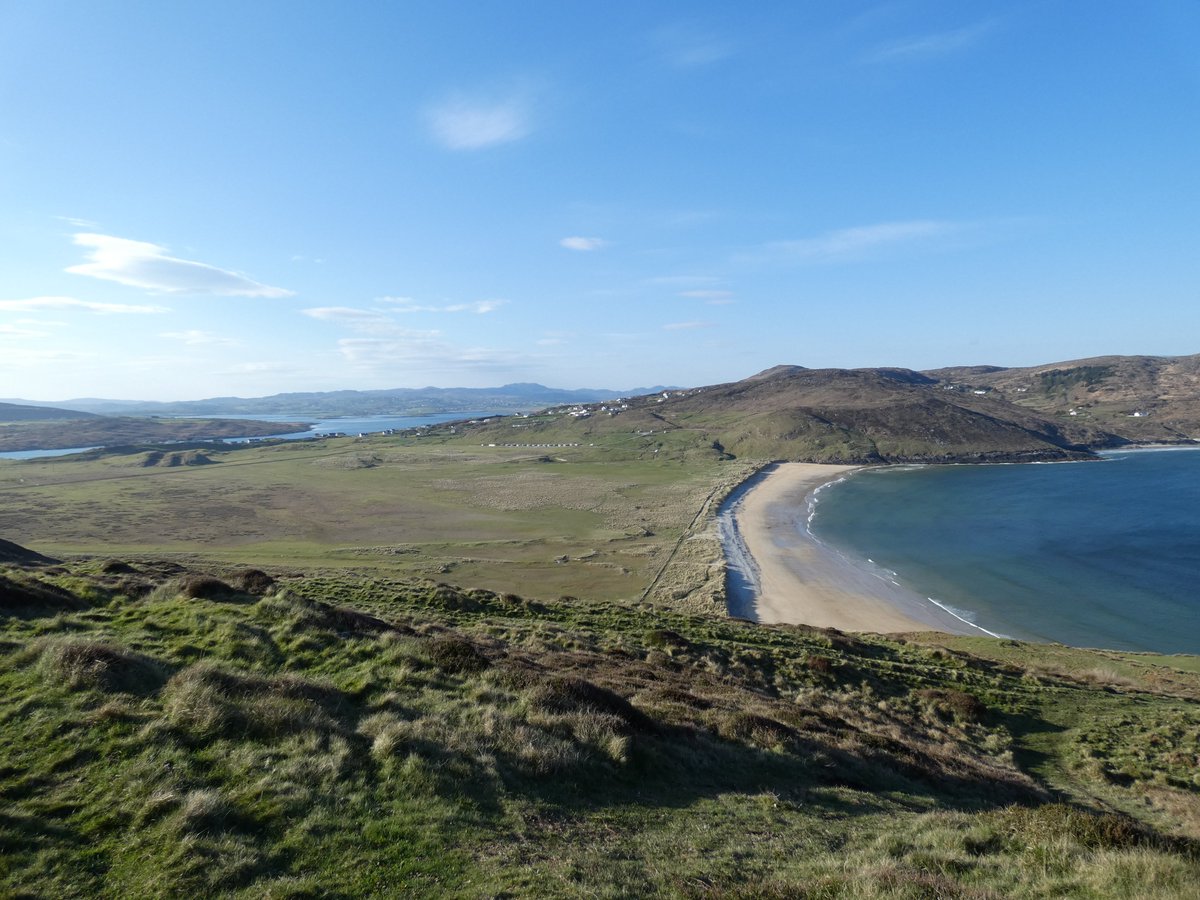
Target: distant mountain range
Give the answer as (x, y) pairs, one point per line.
(519, 397)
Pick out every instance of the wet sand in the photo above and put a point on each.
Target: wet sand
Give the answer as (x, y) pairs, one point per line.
(778, 572)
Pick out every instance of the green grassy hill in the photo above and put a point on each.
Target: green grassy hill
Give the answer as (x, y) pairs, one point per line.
(174, 732)
(818, 415)
(1139, 398)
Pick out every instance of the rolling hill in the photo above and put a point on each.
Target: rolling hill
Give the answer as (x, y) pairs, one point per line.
(828, 415)
(14, 412)
(1139, 398)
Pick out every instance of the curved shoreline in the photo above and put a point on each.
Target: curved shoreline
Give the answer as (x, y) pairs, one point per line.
(778, 572)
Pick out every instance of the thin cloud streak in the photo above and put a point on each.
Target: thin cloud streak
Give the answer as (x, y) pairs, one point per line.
(195, 337)
(848, 244)
(150, 267)
(345, 314)
(930, 46)
(706, 295)
(35, 303)
(407, 305)
(583, 244)
(14, 331)
(686, 47)
(421, 352)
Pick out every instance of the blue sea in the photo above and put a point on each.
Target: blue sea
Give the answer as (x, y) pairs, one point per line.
(1093, 554)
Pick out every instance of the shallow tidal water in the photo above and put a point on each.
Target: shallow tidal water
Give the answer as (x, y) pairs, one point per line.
(1093, 554)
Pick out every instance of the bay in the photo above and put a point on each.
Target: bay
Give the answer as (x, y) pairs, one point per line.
(1094, 554)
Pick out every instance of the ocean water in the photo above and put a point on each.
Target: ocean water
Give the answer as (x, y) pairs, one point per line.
(1093, 554)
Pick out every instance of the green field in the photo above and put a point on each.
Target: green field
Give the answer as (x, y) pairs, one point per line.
(543, 522)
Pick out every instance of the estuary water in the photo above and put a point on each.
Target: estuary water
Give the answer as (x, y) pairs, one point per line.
(1092, 554)
(351, 425)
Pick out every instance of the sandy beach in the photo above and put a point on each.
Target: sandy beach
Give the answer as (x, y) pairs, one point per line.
(778, 572)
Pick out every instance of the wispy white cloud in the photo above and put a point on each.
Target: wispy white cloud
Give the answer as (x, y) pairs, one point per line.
(555, 338)
(583, 244)
(712, 296)
(20, 357)
(689, 47)
(856, 243)
(151, 267)
(345, 314)
(683, 280)
(686, 326)
(35, 303)
(260, 368)
(17, 331)
(929, 46)
(461, 122)
(420, 351)
(408, 305)
(195, 337)
(77, 223)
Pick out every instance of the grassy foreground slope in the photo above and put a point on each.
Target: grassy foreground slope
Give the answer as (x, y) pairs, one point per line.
(172, 732)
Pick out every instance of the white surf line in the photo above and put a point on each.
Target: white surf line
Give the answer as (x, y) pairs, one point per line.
(964, 620)
(853, 561)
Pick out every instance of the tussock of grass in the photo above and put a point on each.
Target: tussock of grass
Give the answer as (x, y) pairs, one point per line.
(22, 594)
(575, 695)
(205, 587)
(455, 654)
(949, 703)
(1025, 827)
(83, 664)
(209, 701)
(252, 581)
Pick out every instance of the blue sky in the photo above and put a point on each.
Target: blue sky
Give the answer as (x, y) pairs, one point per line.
(211, 199)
